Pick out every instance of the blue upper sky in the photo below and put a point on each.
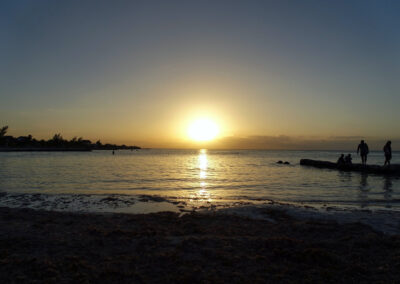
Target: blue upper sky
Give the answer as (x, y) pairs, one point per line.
(140, 70)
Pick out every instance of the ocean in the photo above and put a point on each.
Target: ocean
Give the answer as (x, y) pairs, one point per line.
(195, 177)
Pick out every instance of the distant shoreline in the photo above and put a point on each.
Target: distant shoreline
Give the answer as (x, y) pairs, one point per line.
(45, 149)
(28, 143)
(56, 149)
(62, 149)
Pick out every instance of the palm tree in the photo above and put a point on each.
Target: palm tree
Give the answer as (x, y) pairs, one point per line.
(3, 131)
(57, 139)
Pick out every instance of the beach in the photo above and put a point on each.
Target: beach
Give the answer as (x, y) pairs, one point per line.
(179, 216)
(199, 142)
(62, 247)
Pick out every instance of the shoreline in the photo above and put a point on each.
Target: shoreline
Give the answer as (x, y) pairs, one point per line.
(166, 247)
(383, 220)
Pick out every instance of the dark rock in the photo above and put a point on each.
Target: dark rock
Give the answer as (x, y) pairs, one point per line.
(109, 199)
(279, 162)
(153, 198)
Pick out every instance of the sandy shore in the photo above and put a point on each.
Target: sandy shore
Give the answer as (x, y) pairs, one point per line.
(60, 247)
(382, 220)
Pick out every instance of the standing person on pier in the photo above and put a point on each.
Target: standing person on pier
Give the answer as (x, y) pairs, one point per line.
(363, 150)
(388, 152)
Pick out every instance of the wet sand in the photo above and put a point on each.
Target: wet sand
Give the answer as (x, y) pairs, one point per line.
(64, 247)
(380, 219)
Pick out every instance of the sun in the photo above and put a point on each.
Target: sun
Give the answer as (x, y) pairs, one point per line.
(203, 130)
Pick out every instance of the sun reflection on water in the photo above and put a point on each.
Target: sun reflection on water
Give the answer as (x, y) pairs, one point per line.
(203, 161)
(202, 194)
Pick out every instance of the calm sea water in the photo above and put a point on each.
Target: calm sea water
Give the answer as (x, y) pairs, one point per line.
(199, 174)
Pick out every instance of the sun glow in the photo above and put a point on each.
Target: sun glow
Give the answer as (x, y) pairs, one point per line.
(203, 130)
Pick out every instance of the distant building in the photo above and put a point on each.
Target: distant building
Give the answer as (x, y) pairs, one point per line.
(86, 142)
(23, 139)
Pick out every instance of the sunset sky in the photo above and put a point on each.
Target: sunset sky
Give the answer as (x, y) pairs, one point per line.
(271, 74)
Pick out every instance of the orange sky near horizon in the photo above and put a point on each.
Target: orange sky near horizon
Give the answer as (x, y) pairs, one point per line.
(269, 74)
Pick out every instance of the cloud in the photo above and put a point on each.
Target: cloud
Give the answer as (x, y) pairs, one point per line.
(283, 142)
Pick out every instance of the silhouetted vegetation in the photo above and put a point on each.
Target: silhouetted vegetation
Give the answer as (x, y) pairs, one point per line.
(57, 142)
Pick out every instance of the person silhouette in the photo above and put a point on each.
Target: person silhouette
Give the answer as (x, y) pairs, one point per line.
(387, 149)
(340, 161)
(348, 160)
(363, 150)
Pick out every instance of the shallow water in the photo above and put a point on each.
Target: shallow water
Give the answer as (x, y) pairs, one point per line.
(199, 176)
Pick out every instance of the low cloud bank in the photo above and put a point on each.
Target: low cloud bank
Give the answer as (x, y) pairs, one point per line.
(284, 142)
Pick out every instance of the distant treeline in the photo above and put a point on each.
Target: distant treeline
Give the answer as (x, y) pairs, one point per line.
(57, 142)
